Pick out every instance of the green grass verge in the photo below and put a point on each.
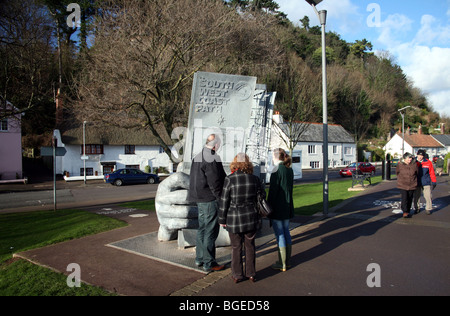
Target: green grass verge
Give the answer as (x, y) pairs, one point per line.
(24, 231)
(308, 198)
(148, 205)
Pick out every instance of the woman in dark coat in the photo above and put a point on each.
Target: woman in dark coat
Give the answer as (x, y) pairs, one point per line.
(280, 198)
(407, 172)
(238, 214)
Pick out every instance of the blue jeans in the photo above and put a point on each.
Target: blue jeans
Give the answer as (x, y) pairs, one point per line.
(281, 229)
(208, 230)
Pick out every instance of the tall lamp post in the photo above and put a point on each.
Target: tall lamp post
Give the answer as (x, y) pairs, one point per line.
(84, 157)
(322, 15)
(402, 113)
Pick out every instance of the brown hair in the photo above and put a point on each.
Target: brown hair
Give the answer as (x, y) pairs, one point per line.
(283, 156)
(242, 162)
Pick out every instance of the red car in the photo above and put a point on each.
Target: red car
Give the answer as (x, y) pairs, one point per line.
(365, 167)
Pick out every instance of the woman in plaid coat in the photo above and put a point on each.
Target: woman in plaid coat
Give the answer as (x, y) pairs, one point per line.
(238, 214)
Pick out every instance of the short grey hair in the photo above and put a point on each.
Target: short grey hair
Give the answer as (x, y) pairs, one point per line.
(408, 155)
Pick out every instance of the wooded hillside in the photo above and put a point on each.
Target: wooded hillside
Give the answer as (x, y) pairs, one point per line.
(131, 63)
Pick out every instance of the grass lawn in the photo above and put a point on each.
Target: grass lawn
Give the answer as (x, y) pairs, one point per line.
(24, 231)
(308, 198)
(147, 205)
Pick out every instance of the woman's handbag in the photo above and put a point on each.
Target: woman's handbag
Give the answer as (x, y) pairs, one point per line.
(263, 207)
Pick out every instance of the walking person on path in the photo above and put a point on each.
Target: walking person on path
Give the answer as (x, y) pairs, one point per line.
(426, 182)
(238, 214)
(407, 173)
(281, 200)
(205, 188)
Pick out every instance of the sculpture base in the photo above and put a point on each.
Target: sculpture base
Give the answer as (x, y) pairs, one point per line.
(187, 238)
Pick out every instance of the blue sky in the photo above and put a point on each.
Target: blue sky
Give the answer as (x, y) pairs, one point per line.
(415, 32)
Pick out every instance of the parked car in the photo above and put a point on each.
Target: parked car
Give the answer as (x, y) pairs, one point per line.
(128, 175)
(394, 162)
(364, 167)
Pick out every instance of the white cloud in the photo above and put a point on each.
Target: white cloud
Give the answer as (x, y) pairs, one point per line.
(342, 16)
(393, 29)
(428, 67)
(441, 102)
(421, 49)
(425, 58)
(432, 32)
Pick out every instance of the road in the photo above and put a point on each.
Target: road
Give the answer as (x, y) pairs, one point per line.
(70, 194)
(39, 196)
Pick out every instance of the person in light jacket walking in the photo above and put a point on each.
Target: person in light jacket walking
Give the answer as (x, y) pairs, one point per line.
(407, 172)
(237, 212)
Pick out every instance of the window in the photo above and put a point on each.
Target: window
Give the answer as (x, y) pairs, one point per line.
(311, 149)
(133, 166)
(130, 149)
(107, 169)
(89, 171)
(347, 150)
(296, 159)
(93, 149)
(314, 164)
(335, 150)
(4, 125)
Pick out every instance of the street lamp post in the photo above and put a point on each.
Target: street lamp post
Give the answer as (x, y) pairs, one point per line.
(84, 150)
(403, 127)
(322, 15)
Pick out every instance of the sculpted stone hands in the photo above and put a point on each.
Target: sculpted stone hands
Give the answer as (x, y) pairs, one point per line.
(172, 207)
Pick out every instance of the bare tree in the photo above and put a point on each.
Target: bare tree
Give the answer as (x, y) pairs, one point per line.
(349, 100)
(139, 71)
(26, 55)
(300, 96)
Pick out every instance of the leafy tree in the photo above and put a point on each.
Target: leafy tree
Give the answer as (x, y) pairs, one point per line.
(360, 48)
(305, 22)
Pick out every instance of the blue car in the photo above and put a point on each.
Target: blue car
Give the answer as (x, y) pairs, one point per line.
(128, 175)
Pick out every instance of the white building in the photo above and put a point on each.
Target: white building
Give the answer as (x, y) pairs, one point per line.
(108, 149)
(444, 140)
(341, 145)
(413, 143)
(10, 143)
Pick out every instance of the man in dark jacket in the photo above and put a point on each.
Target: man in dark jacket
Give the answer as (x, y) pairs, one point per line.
(205, 188)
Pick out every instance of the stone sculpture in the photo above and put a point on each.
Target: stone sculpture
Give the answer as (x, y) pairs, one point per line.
(237, 109)
(172, 207)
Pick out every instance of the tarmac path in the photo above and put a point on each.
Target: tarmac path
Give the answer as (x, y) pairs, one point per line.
(362, 248)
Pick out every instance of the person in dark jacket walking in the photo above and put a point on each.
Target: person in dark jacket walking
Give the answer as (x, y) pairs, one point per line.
(426, 182)
(407, 172)
(205, 188)
(237, 212)
(281, 200)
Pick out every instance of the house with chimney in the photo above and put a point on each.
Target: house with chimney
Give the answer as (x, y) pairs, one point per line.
(308, 140)
(414, 142)
(97, 150)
